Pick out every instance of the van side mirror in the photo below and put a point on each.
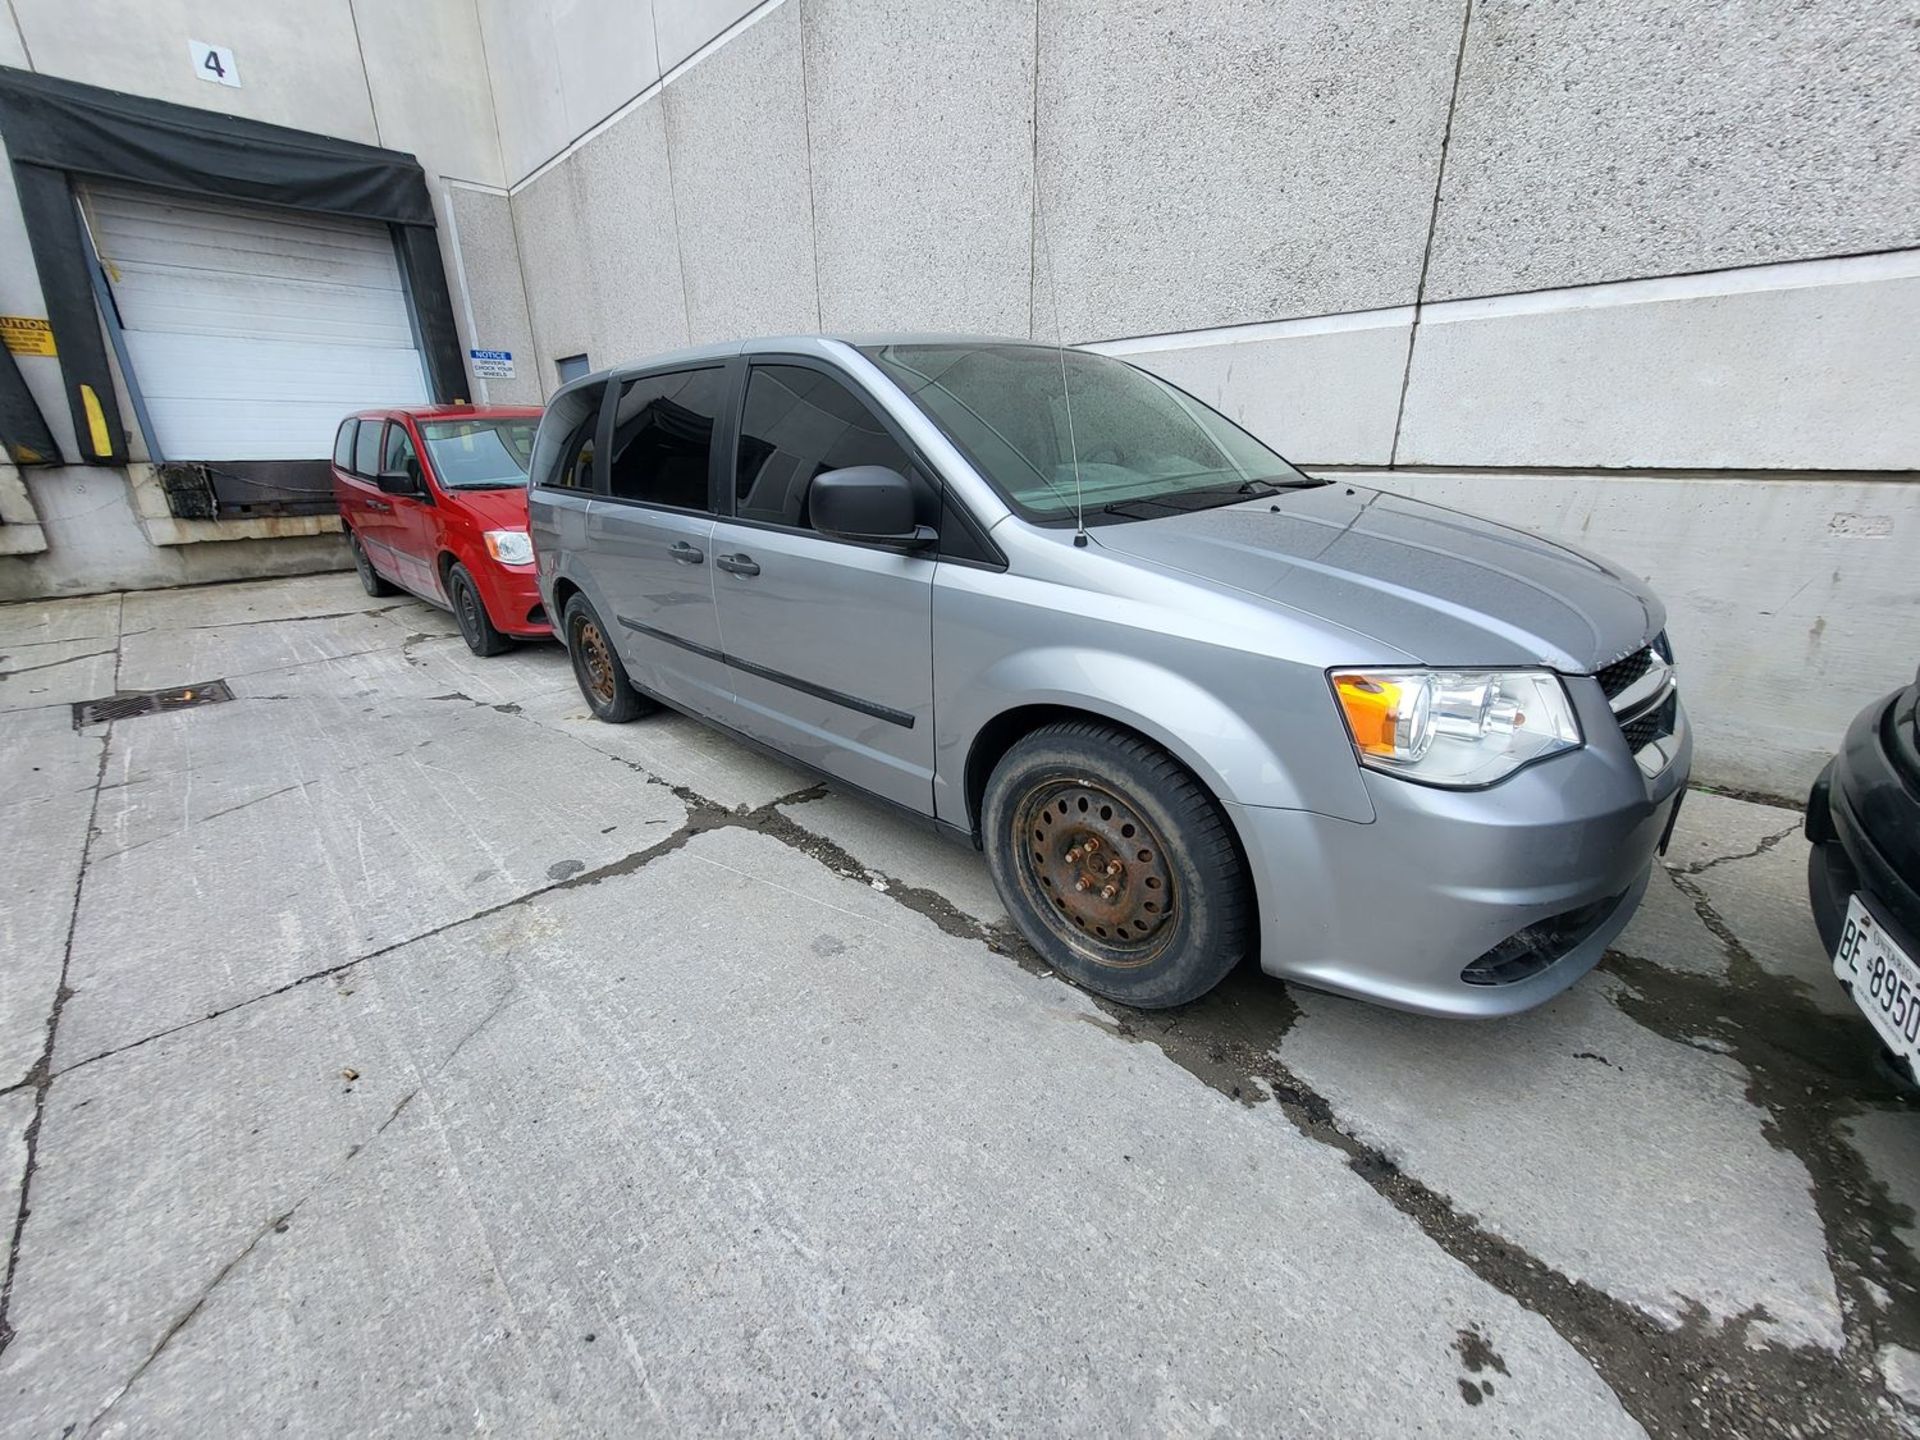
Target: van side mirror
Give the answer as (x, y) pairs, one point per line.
(398, 482)
(867, 502)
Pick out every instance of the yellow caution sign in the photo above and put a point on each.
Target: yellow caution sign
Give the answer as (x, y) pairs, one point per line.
(27, 335)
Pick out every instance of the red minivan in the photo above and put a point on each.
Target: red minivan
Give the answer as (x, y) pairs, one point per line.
(434, 500)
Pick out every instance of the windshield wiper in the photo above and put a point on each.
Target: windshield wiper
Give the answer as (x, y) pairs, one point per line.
(1122, 507)
(1292, 482)
(490, 485)
(1209, 497)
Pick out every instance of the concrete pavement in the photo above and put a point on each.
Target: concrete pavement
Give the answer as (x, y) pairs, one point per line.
(394, 1049)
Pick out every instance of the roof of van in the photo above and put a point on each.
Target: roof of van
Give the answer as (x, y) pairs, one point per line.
(795, 344)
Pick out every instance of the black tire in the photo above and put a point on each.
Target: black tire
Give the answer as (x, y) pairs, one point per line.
(1166, 910)
(596, 666)
(476, 626)
(370, 578)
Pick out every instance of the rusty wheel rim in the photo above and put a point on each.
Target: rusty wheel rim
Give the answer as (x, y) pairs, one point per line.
(597, 661)
(1099, 871)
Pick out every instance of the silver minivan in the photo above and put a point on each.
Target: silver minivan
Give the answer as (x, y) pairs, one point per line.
(1194, 704)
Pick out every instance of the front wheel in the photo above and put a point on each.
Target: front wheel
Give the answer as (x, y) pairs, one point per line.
(596, 665)
(1116, 864)
(476, 626)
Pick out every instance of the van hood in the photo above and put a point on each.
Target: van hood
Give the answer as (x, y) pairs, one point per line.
(493, 509)
(1441, 587)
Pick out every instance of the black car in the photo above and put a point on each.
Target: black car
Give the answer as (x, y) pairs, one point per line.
(1863, 876)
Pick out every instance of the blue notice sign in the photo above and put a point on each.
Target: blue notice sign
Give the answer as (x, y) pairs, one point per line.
(492, 364)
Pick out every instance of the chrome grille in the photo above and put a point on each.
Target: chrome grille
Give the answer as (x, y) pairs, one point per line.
(1651, 725)
(1618, 676)
(1640, 691)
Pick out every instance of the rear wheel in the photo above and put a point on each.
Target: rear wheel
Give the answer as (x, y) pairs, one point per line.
(1116, 864)
(596, 666)
(370, 579)
(476, 626)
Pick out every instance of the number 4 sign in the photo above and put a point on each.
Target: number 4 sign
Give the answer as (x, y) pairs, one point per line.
(214, 62)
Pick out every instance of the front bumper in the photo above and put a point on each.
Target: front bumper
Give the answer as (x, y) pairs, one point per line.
(1395, 910)
(512, 597)
(1864, 824)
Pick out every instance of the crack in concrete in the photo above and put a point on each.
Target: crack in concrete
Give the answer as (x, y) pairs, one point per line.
(1810, 1071)
(281, 1221)
(1672, 1381)
(14, 645)
(41, 1076)
(1697, 1379)
(270, 620)
(149, 777)
(291, 665)
(277, 1223)
(1700, 867)
(1753, 797)
(54, 664)
(702, 816)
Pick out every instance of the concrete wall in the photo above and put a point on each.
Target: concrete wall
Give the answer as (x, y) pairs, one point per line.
(1637, 273)
(1642, 275)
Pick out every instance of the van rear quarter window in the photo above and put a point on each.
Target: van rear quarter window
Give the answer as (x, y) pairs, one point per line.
(563, 448)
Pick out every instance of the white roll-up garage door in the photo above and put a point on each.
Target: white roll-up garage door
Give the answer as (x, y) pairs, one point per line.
(253, 332)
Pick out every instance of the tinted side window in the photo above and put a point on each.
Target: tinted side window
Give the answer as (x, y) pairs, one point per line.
(798, 423)
(662, 436)
(366, 450)
(343, 444)
(399, 452)
(563, 446)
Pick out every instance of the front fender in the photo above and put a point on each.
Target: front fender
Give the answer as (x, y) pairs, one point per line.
(1290, 766)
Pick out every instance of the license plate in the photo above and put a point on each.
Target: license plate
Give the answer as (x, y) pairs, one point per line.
(1884, 979)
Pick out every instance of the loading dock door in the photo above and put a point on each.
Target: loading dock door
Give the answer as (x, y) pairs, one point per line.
(253, 331)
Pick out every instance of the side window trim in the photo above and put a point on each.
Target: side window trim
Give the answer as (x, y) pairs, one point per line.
(603, 435)
(379, 424)
(398, 428)
(352, 421)
(949, 499)
(726, 439)
(748, 363)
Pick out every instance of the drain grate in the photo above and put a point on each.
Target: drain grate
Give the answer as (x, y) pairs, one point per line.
(131, 704)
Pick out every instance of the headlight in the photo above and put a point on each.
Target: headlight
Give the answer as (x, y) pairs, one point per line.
(510, 547)
(1460, 728)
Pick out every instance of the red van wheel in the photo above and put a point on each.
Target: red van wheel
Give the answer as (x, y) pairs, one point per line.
(370, 580)
(476, 627)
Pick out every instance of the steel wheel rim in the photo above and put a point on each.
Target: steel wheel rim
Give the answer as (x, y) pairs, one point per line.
(469, 612)
(1098, 870)
(596, 661)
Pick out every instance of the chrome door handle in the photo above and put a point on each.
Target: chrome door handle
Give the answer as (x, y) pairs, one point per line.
(379, 507)
(738, 564)
(686, 554)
